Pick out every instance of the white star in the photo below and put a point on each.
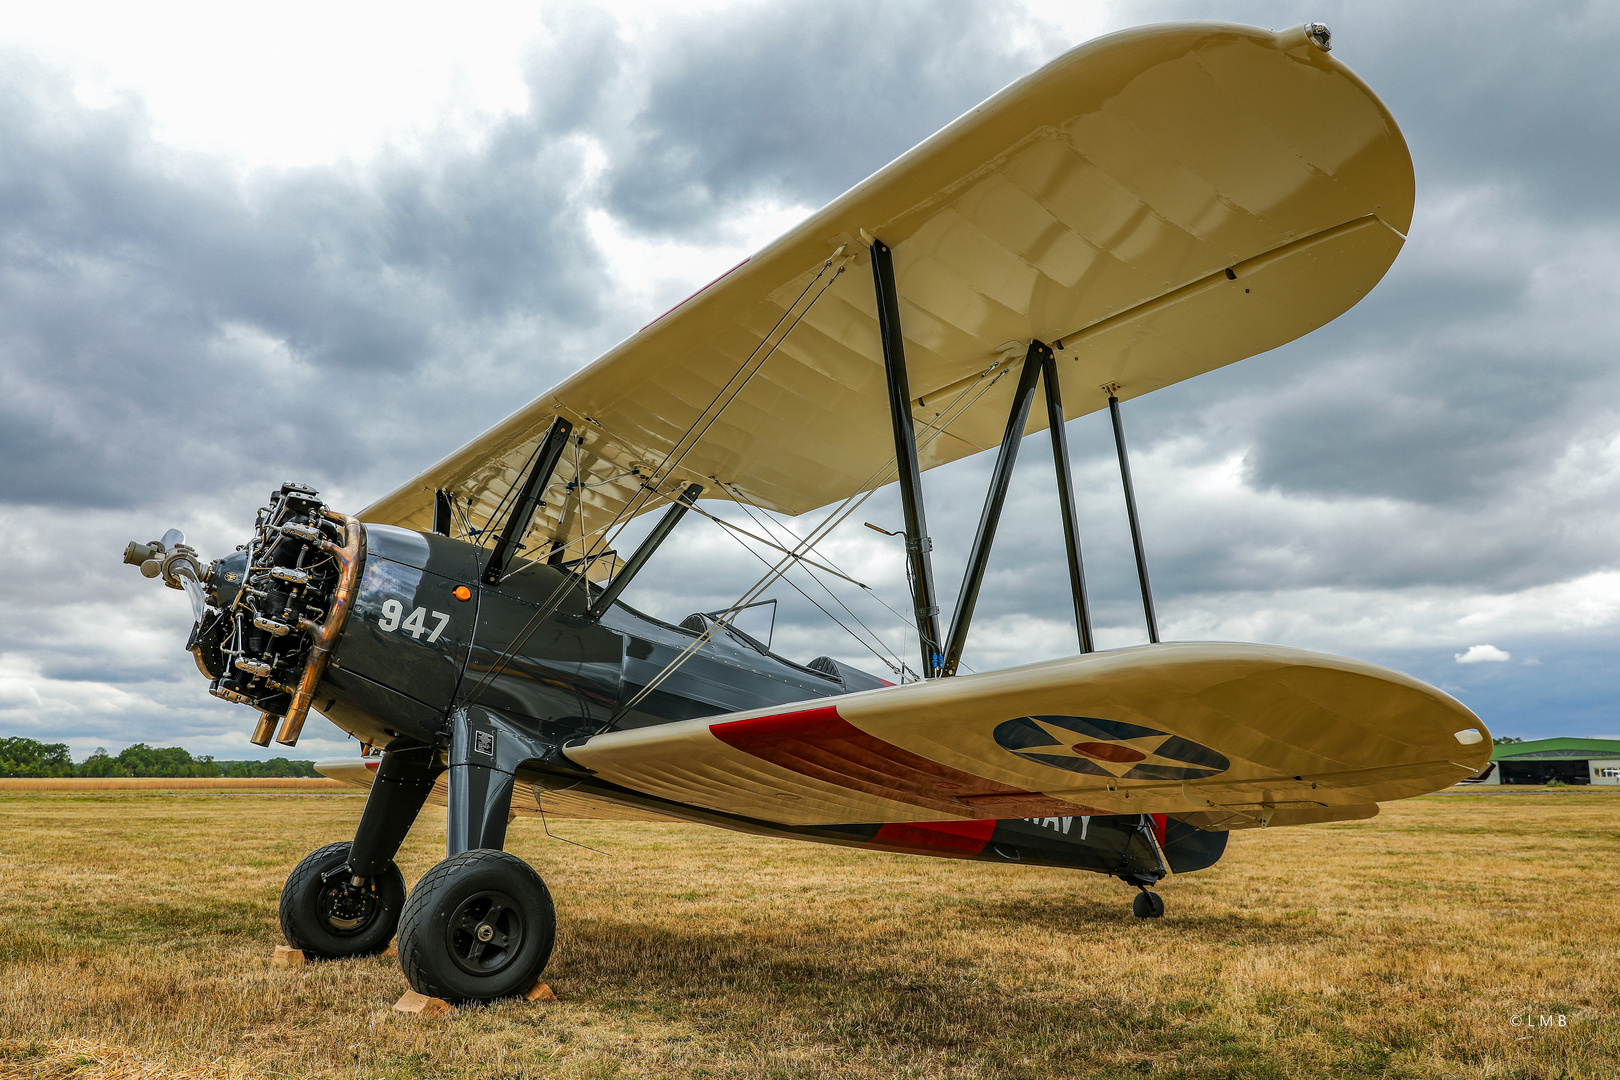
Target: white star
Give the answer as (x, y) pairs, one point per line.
(1072, 744)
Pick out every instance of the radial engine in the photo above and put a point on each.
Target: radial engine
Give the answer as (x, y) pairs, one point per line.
(268, 615)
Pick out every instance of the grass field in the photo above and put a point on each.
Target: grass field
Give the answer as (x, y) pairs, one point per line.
(101, 784)
(136, 931)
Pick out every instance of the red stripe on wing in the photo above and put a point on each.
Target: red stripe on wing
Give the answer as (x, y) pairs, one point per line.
(820, 744)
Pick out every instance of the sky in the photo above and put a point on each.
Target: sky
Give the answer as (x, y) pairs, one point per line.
(241, 245)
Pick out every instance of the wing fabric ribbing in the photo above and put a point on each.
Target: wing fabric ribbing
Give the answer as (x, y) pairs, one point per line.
(1223, 735)
(1162, 202)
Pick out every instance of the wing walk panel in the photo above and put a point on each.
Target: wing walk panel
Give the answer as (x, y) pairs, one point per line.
(1121, 173)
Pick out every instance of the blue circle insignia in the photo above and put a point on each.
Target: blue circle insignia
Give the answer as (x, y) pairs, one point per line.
(1085, 744)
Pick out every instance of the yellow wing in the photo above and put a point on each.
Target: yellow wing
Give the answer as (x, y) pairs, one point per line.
(1162, 202)
(1222, 735)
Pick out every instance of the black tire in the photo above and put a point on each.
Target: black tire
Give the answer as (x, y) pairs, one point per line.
(477, 927)
(1148, 905)
(317, 916)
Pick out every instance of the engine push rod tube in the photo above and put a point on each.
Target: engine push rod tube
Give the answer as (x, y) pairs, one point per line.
(666, 525)
(994, 500)
(924, 600)
(1065, 481)
(1136, 525)
(528, 500)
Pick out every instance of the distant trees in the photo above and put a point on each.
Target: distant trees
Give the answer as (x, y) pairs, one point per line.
(276, 766)
(27, 757)
(1503, 740)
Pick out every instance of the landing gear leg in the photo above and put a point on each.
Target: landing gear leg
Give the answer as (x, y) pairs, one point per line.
(480, 925)
(345, 899)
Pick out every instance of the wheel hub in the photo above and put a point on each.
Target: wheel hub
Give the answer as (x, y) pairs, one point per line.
(346, 907)
(485, 932)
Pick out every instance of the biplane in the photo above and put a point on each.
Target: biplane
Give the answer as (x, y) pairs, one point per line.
(1150, 206)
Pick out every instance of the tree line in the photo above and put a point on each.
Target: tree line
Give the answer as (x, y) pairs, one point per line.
(28, 757)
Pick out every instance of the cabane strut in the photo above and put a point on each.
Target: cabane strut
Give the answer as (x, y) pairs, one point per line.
(444, 508)
(528, 500)
(644, 551)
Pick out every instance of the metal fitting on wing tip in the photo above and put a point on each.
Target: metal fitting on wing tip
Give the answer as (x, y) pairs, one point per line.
(1319, 35)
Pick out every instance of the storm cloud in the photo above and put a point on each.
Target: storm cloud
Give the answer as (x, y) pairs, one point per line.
(1436, 469)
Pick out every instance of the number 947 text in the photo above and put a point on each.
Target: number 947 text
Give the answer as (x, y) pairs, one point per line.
(414, 624)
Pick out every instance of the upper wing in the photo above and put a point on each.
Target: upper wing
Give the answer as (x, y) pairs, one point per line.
(1223, 734)
(1162, 202)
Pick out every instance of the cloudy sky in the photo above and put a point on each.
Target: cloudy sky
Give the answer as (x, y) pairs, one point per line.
(333, 244)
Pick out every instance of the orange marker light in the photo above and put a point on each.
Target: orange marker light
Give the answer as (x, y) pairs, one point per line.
(463, 593)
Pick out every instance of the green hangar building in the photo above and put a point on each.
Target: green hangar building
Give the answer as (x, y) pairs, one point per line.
(1570, 761)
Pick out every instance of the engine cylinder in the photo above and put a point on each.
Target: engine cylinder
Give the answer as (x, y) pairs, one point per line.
(259, 645)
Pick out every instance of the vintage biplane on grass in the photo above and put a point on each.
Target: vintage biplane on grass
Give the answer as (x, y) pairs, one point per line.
(1147, 207)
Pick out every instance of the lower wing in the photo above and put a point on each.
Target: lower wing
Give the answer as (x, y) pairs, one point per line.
(1221, 735)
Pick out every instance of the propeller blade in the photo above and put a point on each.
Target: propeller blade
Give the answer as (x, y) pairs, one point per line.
(194, 593)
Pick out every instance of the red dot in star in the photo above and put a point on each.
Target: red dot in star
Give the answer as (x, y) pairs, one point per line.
(1101, 751)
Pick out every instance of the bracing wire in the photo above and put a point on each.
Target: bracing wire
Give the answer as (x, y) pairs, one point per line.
(511, 493)
(648, 490)
(932, 431)
(850, 505)
(881, 645)
(885, 660)
(745, 503)
(743, 371)
(732, 526)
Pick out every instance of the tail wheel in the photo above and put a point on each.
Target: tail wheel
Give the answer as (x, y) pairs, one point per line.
(478, 927)
(1148, 905)
(325, 914)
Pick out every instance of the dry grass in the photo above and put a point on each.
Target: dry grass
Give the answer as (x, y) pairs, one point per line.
(11, 784)
(136, 930)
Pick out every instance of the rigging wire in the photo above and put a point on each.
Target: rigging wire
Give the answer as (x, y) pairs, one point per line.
(511, 493)
(666, 465)
(824, 611)
(633, 505)
(546, 825)
(891, 665)
(734, 527)
(942, 420)
(904, 621)
(466, 515)
(850, 505)
(745, 503)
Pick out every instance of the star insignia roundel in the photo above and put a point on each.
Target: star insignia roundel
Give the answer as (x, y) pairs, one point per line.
(1112, 748)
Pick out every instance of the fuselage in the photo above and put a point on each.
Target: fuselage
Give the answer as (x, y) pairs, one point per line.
(426, 635)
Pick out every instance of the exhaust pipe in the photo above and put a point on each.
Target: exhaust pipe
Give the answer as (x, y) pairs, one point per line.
(350, 556)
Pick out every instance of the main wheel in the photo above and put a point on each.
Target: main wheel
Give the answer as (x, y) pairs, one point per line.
(477, 927)
(1148, 905)
(325, 915)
